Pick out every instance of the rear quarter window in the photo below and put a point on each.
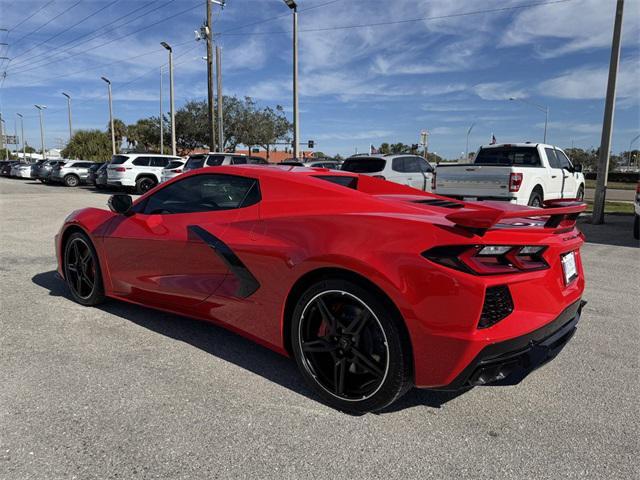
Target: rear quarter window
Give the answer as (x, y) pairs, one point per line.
(364, 165)
(119, 159)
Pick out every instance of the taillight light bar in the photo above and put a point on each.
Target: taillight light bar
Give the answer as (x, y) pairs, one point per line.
(433, 182)
(489, 259)
(120, 169)
(515, 181)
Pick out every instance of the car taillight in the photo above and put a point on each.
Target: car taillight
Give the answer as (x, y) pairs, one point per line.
(177, 170)
(489, 259)
(120, 169)
(379, 176)
(515, 182)
(433, 182)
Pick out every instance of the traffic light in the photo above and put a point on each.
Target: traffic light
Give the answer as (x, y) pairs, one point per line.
(310, 144)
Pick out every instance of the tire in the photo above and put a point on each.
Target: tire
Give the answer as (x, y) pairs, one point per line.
(535, 200)
(43, 180)
(144, 184)
(353, 353)
(636, 227)
(71, 181)
(82, 272)
(580, 194)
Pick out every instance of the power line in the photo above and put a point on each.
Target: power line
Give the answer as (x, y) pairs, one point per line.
(182, 12)
(50, 20)
(94, 34)
(30, 16)
(409, 20)
(66, 30)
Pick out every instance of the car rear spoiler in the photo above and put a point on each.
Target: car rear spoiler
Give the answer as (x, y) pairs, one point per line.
(561, 213)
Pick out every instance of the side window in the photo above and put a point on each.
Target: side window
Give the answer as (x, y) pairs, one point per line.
(551, 156)
(398, 165)
(204, 193)
(564, 161)
(412, 164)
(424, 165)
(84, 164)
(159, 161)
(238, 160)
(215, 160)
(141, 162)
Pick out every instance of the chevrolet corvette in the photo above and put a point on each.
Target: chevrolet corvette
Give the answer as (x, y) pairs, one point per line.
(373, 287)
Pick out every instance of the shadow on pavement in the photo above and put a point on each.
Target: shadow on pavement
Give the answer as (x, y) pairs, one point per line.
(229, 346)
(617, 230)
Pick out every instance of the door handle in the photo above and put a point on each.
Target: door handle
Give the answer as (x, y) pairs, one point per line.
(553, 176)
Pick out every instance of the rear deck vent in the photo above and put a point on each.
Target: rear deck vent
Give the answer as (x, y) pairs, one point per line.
(498, 304)
(436, 202)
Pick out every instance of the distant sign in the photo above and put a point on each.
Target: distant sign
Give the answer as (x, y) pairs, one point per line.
(11, 139)
(424, 135)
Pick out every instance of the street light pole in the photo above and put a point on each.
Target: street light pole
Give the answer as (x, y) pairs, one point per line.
(219, 97)
(609, 107)
(173, 117)
(161, 118)
(24, 153)
(113, 132)
(296, 119)
(467, 149)
(544, 109)
(40, 109)
(210, 112)
(69, 110)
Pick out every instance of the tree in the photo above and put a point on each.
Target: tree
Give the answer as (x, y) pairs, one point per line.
(319, 155)
(29, 149)
(144, 135)
(120, 129)
(89, 145)
(191, 125)
(384, 148)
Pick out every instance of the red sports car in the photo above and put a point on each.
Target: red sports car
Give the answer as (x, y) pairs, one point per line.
(373, 287)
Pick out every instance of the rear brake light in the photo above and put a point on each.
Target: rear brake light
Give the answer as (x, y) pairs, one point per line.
(379, 176)
(489, 259)
(120, 169)
(433, 182)
(177, 170)
(515, 182)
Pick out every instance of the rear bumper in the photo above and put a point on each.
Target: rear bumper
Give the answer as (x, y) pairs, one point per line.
(510, 361)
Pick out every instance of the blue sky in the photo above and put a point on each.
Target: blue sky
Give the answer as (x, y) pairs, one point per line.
(358, 85)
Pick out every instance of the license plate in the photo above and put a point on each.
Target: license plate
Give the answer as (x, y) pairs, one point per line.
(569, 267)
(470, 199)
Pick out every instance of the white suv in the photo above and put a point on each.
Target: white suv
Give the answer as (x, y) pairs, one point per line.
(213, 159)
(140, 170)
(404, 168)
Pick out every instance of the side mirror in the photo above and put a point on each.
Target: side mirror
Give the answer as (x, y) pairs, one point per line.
(120, 203)
(577, 168)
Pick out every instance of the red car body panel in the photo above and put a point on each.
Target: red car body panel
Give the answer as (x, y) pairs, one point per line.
(303, 224)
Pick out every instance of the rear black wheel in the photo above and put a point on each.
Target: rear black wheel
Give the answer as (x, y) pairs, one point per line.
(144, 184)
(580, 194)
(535, 200)
(349, 346)
(82, 270)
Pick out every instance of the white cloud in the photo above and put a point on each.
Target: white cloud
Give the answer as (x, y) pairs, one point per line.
(590, 83)
(498, 91)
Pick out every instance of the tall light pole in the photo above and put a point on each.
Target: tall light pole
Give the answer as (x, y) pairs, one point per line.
(467, 149)
(296, 123)
(219, 96)
(161, 117)
(24, 152)
(210, 113)
(173, 117)
(113, 132)
(40, 109)
(2, 134)
(69, 111)
(610, 103)
(542, 108)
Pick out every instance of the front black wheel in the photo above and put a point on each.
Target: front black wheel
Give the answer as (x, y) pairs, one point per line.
(82, 270)
(349, 346)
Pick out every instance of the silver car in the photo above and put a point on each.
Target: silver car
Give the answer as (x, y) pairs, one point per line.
(44, 171)
(172, 170)
(71, 173)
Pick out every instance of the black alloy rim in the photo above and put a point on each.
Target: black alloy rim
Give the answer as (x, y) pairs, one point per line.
(146, 185)
(80, 268)
(344, 346)
(536, 202)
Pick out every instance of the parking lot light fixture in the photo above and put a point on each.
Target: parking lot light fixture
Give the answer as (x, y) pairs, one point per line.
(296, 117)
(24, 154)
(40, 109)
(171, 98)
(542, 108)
(113, 133)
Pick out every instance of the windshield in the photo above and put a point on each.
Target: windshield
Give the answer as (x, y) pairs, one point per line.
(119, 159)
(526, 156)
(364, 165)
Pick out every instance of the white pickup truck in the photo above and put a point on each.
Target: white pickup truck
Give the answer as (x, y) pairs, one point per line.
(521, 173)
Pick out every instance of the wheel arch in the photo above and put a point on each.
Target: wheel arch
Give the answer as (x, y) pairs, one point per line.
(147, 175)
(313, 276)
(69, 230)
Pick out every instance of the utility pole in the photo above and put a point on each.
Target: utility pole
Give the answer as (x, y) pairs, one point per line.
(211, 117)
(161, 118)
(69, 110)
(296, 118)
(466, 158)
(220, 105)
(113, 132)
(605, 141)
(40, 109)
(171, 102)
(24, 150)
(2, 136)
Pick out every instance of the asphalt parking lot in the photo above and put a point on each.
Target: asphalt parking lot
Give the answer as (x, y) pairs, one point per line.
(127, 392)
